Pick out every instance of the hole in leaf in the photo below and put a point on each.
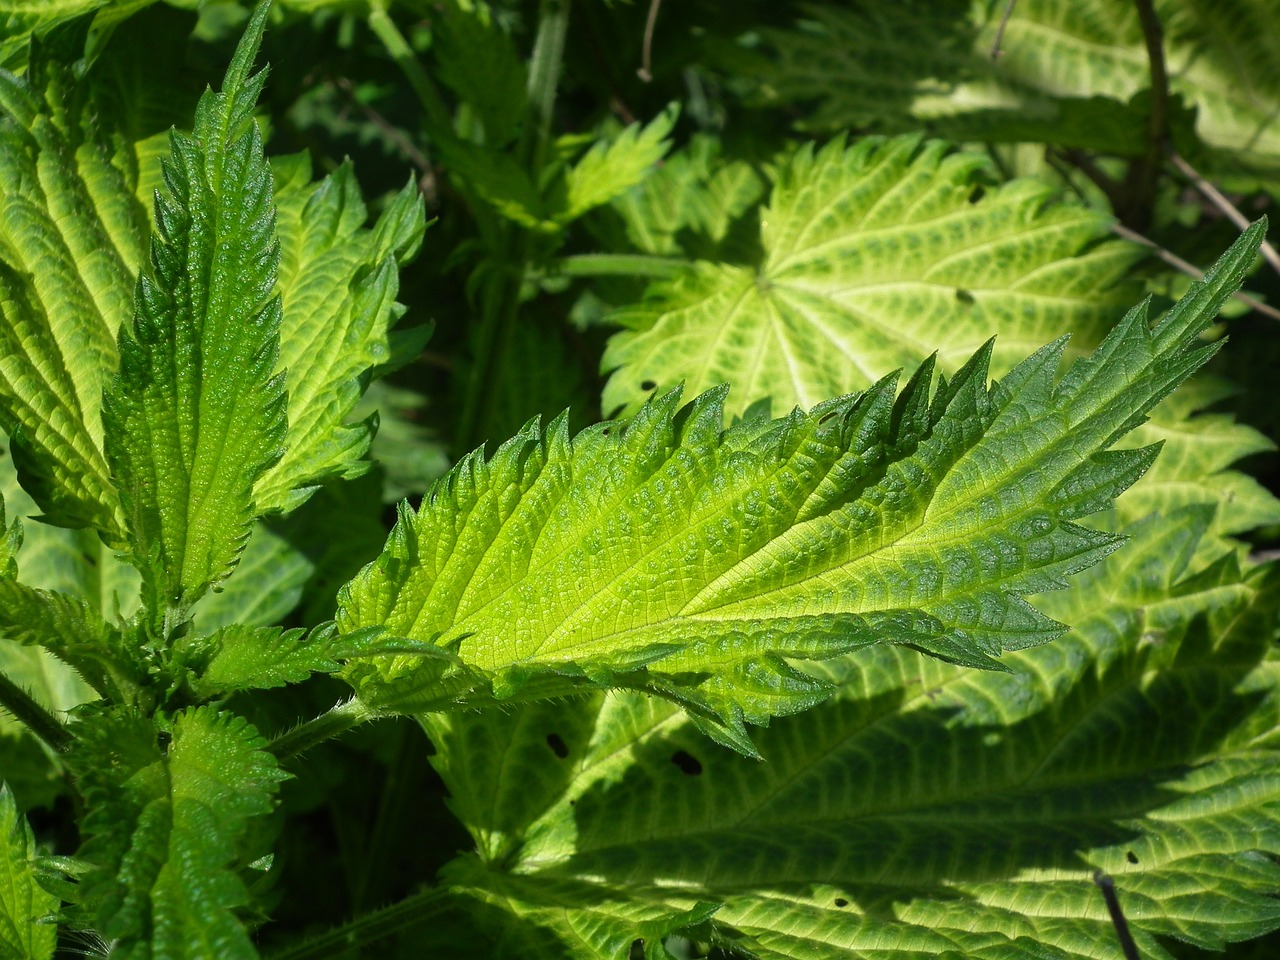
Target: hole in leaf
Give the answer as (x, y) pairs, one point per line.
(648, 385)
(1131, 857)
(573, 803)
(557, 745)
(977, 193)
(841, 902)
(687, 763)
(637, 950)
(965, 297)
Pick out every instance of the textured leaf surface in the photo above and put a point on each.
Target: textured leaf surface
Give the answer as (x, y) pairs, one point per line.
(926, 810)
(196, 415)
(165, 824)
(673, 557)
(22, 901)
(339, 282)
(612, 167)
(1064, 74)
(874, 255)
(71, 238)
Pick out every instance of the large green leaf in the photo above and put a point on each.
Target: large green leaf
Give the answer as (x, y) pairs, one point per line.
(338, 281)
(71, 239)
(197, 414)
(874, 255)
(673, 557)
(924, 811)
(23, 904)
(166, 821)
(1065, 74)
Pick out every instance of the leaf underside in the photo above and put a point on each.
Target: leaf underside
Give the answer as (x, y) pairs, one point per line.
(873, 255)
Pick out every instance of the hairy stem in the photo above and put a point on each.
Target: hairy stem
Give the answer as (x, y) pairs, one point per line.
(370, 927)
(332, 723)
(617, 265)
(501, 307)
(35, 717)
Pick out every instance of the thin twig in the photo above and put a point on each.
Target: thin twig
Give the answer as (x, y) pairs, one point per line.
(1175, 261)
(1108, 888)
(1224, 205)
(426, 179)
(1004, 22)
(646, 52)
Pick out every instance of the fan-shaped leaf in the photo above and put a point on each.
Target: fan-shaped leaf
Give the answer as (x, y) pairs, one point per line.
(875, 254)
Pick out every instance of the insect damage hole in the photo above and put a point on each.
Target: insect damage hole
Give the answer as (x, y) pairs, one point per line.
(557, 745)
(637, 950)
(840, 902)
(687, 763)
(647, 385)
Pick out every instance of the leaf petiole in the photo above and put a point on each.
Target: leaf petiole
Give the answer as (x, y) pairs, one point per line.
(332, 723)
(35, 717)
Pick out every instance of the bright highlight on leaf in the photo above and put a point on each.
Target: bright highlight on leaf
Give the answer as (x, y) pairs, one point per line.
(196, 414)
(925, 810)
(874, 255)
(670, 556)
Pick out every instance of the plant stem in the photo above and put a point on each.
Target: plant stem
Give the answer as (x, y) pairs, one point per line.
(398, 47)
(617, 265)
(35, 717)
(1140, 192)
(514, 249)
(1225, 206)
(370, 927)
(332, 723)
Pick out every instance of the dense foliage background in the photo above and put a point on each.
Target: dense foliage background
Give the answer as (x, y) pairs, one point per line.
(797, 199)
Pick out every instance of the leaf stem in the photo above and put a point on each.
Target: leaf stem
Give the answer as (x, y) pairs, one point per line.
(515, 247)
(617, 265)
(35, 717)
(332, 723)
(370, 927)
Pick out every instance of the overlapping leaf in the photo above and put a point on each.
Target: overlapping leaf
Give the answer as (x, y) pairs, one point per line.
(23, 904)
(673, 557)
(166, 824)
(1064, 74)
(197, 414)
(874, 255)
(71, 238)
(339, 282)
(926, 810)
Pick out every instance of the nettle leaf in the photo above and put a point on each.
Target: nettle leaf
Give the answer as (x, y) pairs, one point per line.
(23, 903)
(338, 282)
(197, 414)
(165, 824)
(611, 167)
(925, 810)
(257, 658)
(1063, 76)
(872, 252)
(71, 238)
(674, 557)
